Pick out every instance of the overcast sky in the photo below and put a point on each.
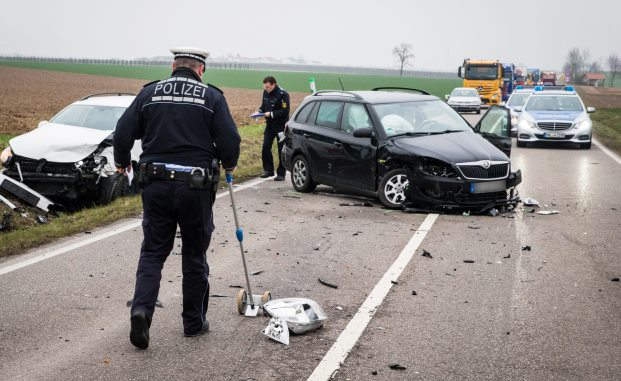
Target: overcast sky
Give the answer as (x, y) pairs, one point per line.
(342, 32)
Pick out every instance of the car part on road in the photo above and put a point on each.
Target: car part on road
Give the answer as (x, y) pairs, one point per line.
(526, 248)
(327, 284)
(548, 212)
(277, 330)
(8, 203)
(396, 366)
(300, 314)
(529, 201)
(25, 193)
(248, 304)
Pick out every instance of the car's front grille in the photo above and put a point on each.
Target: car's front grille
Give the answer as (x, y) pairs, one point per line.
(41, 166)
(478, 171)
(554, 126)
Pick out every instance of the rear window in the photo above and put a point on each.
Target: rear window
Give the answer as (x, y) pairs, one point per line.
(97, 117)
(302, 116)
(329, 114)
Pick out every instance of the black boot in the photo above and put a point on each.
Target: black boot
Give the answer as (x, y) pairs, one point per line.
(139, 334)
(202, 331)
(267, 174)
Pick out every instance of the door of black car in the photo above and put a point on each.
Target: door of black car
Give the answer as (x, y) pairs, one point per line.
(322, 141)
(495, 126)
(355, 160)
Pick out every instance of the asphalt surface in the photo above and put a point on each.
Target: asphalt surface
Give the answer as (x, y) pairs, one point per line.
(549, 313)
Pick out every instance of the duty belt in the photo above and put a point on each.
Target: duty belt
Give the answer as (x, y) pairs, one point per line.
(195, 177)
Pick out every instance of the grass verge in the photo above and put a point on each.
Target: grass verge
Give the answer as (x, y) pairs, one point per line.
(607, 127)
(26, 233)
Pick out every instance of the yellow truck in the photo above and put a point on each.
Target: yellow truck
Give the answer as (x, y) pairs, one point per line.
(484, 75)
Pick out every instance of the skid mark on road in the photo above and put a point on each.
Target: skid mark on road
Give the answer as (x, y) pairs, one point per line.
(339, 351)
(65, 248)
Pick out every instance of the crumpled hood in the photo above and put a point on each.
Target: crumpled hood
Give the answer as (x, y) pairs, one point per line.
(554, 115)
(58, 143)
(455, 147)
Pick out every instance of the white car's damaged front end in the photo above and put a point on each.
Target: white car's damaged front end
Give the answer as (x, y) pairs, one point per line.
(67, 163)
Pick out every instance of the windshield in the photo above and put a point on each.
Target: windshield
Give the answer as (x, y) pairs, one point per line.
(517, 100)
(554, 103)
(464, 93)
(97, 117)
(426, 117)
(481, 71)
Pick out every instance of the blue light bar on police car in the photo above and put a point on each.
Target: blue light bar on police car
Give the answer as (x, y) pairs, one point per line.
(569, 88)
(538, 88)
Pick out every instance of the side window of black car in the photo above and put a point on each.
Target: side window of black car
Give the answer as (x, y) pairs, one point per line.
(329, 114)
(355, 116)
(302, 116)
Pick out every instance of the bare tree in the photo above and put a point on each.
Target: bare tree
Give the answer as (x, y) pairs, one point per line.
(595, 67)
(404, 54)
(577, 62)
(614, 65)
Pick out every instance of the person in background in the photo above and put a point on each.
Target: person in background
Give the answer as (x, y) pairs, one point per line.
(275, 107)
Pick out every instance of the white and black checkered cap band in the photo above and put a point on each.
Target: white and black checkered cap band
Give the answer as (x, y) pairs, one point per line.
(190, 55)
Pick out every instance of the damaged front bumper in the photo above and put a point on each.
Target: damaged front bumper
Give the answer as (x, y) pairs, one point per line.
(25, 193)
(435, 193)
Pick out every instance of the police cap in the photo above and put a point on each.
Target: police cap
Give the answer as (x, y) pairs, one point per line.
(190, 52)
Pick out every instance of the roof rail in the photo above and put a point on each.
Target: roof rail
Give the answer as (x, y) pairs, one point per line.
(401, 88)
(105, 94)
(342, 92)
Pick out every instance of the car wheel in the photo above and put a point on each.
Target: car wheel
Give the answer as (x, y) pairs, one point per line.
(479, 111)
(585, 145)
(521, 144)
(301, 176)
(392, 188)
(111, 188)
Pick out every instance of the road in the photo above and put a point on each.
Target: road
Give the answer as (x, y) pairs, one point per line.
(549, 313)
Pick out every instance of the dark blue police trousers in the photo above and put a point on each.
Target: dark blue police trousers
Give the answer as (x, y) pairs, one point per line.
(166, 204)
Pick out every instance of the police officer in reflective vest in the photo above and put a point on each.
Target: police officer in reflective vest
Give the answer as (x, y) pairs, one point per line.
(275, 107)
(186, 130)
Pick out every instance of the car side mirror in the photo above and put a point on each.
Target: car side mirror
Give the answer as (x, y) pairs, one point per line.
(446, 97)
(364, 132)
(590, 109)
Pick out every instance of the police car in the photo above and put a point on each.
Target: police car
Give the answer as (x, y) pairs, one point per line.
(554, 114)
(516, 101)
(70, 157)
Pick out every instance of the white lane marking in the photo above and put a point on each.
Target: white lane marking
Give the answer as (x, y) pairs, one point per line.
(339, 351)
(607, 151)
(65, 248)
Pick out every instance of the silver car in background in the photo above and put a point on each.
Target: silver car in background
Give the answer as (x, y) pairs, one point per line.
(516, 101)
(464, 99)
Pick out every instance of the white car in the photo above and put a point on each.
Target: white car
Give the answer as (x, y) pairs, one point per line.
(70, 157)
(516, 101)
(464, 99)
(552, 115)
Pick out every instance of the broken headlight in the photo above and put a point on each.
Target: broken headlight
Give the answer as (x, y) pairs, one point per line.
(5, 156)
(435, 167)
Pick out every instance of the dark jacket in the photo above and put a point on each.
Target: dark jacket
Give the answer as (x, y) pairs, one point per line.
(180, 120)
(277, 102)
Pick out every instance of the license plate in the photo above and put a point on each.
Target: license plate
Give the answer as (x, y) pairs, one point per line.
(554, 135)
(488, 186)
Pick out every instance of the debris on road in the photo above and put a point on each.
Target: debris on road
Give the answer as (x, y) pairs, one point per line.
(218, 296)
(339, 308)
(235, 286)
(494, 212)
(301, 315)
(257, 272)
(42, 219)
(394, 282)
(548, 212)
(277, 330)
(526, 248)
(466, 213)
(529, 201)
(396, 366)
(474, 227)
(426, 254)
(414, 293)
(366, 204)
(507, 256)
(327, 284)
(468, 260)
(292, 195)
(615, 279)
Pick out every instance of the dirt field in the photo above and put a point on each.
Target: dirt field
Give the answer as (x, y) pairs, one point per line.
(28, 96)
(599, 97)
